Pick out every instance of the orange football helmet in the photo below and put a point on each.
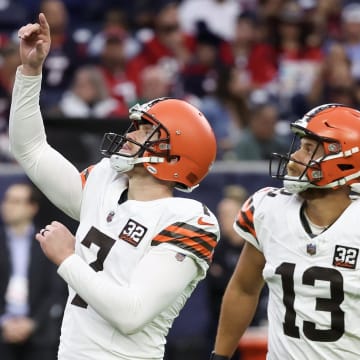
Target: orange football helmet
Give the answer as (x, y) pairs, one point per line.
(337, 128)
(183, 151)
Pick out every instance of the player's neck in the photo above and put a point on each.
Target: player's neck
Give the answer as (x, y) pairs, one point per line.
(148, 188)
(325, 211)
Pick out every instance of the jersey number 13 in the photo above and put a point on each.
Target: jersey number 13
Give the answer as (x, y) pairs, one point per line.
(331, 304)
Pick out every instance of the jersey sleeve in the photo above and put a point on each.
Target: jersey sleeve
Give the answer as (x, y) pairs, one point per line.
(54, 175)
(196, 236)
(85, 174)
(159, 280)
(248, 220)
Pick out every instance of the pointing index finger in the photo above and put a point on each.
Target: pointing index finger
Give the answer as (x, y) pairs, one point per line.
(44, 24)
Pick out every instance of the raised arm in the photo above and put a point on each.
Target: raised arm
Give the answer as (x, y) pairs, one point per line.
(35, 44)
(55, 176)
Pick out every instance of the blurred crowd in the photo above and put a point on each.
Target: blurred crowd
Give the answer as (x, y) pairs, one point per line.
(252, 66)
(32, 294)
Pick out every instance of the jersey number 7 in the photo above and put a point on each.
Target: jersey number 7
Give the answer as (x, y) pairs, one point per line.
(105, 243)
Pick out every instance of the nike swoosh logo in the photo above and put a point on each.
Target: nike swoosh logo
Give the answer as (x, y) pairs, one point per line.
(202, 222)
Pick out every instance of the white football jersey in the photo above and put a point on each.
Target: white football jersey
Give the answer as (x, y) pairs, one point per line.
(314, 283)
(135, 262)
(113, 238)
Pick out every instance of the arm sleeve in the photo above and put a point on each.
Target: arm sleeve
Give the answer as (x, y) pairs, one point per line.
(158, 280)
(55, 176)
(249, 220)
(244, 223)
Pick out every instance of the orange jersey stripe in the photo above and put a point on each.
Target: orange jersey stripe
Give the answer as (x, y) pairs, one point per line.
(245, 218)
(84, 175)
(191, 233)
(187, 241)
(188, 237)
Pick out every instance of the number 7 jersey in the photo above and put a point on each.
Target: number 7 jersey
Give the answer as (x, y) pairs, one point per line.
(314, 282)
(146, 258)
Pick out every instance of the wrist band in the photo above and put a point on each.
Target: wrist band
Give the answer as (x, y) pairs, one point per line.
(215, 356)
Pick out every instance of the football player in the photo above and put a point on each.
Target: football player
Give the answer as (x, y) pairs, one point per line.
(303, 240)
(139, 252)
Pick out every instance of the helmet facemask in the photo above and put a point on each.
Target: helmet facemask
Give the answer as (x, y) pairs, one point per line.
(180, 147)
(331, 170)
(155, 148)
(312, 172)
(336, 128)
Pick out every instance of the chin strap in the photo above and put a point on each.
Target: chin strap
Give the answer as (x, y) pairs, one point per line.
(293, 186)
(355, 188)
(124, 164)
(188, 189)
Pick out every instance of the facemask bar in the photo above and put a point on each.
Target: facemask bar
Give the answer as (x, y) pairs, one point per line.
(278, 163)
(112, 143)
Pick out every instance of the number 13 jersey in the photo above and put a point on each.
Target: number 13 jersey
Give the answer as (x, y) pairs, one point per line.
(314, 282)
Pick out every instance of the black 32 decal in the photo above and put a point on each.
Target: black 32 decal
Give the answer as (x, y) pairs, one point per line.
(331, 304)
(105, 243)
(133, 232)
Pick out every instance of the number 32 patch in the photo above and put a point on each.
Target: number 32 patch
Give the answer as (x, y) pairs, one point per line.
(345, 256)
(133, 232)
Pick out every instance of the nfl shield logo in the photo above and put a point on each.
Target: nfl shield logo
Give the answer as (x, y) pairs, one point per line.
(180, 256)
(311, 249)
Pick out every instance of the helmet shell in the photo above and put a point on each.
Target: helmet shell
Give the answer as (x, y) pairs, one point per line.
(191, 138)
(337, 127)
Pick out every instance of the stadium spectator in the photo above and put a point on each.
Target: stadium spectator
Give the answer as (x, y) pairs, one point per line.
(88, 97)
(114, 64)
(227, 109)
(154, 83)
(350, 20)
(199, 75)
(32, 295)
(191, 12)
(333, 82)
(64, 57)
(327, 17)
(251, 51)
(115, 19)
(261, 138)
(9, 61)
(168, 46)
(299, 56)
(11, 14)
